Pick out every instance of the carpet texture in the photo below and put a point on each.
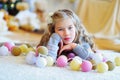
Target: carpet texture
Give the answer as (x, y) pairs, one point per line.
(15, 68)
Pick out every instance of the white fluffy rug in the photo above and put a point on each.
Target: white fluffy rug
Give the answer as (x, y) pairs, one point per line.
(15, 68)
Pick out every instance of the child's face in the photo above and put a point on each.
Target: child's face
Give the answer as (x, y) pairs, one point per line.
(66, 29)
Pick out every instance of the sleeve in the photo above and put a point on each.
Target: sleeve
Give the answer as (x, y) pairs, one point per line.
(84, 51)
(52, 45)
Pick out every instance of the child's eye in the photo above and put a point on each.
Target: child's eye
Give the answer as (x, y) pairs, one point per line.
(70, 27)
(60, 29)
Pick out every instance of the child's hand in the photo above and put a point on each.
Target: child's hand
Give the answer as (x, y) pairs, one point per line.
(69, 46)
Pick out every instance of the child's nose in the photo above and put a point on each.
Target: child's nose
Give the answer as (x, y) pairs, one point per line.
(66, 32)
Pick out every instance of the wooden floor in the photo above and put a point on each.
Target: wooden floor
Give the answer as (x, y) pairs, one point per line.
(34, 38)
(20, 37)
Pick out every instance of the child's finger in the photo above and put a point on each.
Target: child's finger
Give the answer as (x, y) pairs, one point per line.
(62, 49)
(61, 44)
(60, 52)
(66, 47)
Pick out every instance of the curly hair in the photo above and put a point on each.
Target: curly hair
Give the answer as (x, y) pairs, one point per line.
(81, 32)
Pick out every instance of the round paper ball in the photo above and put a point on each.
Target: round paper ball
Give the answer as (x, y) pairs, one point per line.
(28, 45)
(42, 50)
(75, 63)
(4, 51)
(31, 49)
(86, 66)
(77, 57)
(111, 65)
(31, 58)
(104, 59)
(9, 45)
(49, 60)
(93, 64)
(71, 55)
(117, 61)
(102, 67)
(24, 49)
(16, 51)
(98, 58)
(41, 62)
(61, 61)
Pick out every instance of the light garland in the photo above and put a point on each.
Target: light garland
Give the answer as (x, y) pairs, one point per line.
(77, 64)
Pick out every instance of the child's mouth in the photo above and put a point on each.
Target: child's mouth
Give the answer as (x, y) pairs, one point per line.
(67, 39)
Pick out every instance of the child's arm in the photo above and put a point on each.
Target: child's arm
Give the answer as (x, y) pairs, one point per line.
(53, 45)
(84, 51)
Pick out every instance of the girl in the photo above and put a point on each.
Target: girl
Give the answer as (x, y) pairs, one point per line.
(66, 34)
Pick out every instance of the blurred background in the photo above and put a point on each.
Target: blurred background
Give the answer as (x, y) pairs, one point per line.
(24, 21)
